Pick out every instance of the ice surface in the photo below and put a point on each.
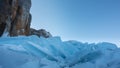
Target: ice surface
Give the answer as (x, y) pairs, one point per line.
(35, 52)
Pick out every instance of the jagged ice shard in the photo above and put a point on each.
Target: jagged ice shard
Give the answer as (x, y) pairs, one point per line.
(35, 52)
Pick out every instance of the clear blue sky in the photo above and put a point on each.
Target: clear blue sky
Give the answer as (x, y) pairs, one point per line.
(82, 20)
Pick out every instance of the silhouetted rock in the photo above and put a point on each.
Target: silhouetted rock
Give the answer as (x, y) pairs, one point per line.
(41, 32)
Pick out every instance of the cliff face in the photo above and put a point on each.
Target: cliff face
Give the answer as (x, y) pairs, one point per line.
(21, 21)
(15, 18)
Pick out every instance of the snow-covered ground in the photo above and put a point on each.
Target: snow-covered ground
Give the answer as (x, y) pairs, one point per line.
(35, 52)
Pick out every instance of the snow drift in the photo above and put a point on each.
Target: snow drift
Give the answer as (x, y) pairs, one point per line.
(35, 52)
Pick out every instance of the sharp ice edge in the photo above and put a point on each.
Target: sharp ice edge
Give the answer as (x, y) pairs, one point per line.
(35, 52)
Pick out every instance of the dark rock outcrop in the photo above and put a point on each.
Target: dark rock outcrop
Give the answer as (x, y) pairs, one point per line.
(40, 33)
(15, 18)
(5, 14)
(16, 15)
(21, 23)
(2, 28)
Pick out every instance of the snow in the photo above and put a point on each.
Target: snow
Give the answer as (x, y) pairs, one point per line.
(35, 52)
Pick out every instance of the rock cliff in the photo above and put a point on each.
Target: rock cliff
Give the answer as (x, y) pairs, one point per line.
(15, 18)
